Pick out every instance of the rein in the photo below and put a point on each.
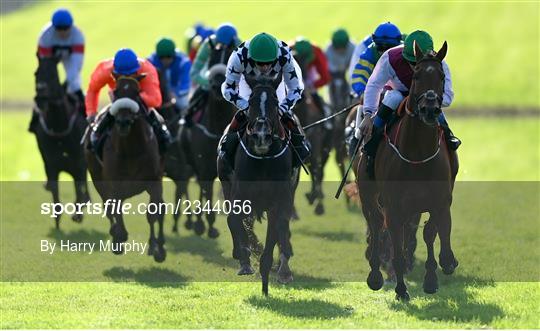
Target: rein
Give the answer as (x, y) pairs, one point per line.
(50, 132)
(265, 157)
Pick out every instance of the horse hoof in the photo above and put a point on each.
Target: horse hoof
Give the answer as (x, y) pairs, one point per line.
(245, 269)
(175, 229)
(160, 254)
(310, 198)
(375, 280)
(118, 251)
(265, 289)
(319, 210)
(403, 297)
(449, 268)
(213, 233)
(199, 228)
(188, 224)
(285, 278)
(77, 218)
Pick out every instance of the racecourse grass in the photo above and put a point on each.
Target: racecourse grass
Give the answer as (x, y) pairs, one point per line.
(495, 224)
(493, 47)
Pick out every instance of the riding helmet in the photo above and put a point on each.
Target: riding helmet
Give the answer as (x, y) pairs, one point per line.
(387, 33)
(62, 18)
(165, 47)
(226, 33)
(423, 40)
(263, 48)
(340, 38)
(126, 62)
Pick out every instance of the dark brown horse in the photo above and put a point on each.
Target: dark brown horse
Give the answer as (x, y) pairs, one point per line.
(176, 166)
(414, 173)
(58, 134)
(201, 141)
(321, 142)
(131, 164)
(264, 178)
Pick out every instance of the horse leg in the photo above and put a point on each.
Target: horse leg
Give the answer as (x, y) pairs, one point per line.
(52, 186)
(430, 279)
(319, 208)
(118, 231)
(410, 241)
(177, 199)
(210, 216)
(375, 279)
(188, 224)
(159, 249)
(284, 272)
(398, 262)
(199, 226)
(267, 257)
(241, 251)
(446, 256)
(81, 196)
(340, 159)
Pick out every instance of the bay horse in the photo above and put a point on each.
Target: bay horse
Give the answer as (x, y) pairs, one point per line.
(339, 92)
(264, 177)
(200, 142)
(131, 164)
(59, 133)
(321, 142)
(414, 173)
(176, 166)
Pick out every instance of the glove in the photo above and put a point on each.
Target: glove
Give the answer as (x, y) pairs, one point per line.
(90, 119)
(242, 104)
(353, 145)
(288, 121)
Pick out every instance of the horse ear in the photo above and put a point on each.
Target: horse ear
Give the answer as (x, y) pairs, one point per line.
(417, 52)
(442, 52)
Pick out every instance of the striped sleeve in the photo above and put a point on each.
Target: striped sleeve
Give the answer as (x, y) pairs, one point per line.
(360, 75)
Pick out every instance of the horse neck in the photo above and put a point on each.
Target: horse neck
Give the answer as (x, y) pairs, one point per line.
(58, 116)
(218, 115)
(136, 142)
(417, 140)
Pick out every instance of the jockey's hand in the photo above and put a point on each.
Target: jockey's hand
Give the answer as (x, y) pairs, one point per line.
(90, 119)
(366, 126)
(288, 120)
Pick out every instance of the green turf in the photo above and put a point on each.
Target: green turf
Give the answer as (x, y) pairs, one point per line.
(493, 47)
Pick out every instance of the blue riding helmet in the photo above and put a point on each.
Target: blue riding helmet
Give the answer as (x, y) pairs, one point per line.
(226, 33)
(387, 33)
(62, 18)
(125, 62)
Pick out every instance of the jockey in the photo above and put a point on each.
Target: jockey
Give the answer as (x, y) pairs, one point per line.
(125, 63)
(395, 68)
(227, 36)
(195, 37)
(359, 49)
(175, 66)
(339, 52)
(317, 74)
(263, 56)
(60, 38)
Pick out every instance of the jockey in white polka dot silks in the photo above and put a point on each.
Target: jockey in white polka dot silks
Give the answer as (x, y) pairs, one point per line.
(263, 56)
(61, 39)
(395, 69)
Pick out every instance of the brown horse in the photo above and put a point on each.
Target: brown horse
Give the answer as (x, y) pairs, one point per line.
(131, 164)
(414, 173)
(59, 131)
(200, 142)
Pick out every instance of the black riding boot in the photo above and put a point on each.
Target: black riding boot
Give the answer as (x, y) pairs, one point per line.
(98, 130)
(370, 147)
(452, 141)
(229, 143)
(160, 129)
(82, 105)
(197, 101)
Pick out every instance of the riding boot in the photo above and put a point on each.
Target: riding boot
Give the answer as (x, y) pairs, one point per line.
(300, 144)
(82, 104)
(327, 111)
(229, 143)
(370, 147)
(98, 130)
(197, 102)
(160, 129)
(33, 122)
(452, 141)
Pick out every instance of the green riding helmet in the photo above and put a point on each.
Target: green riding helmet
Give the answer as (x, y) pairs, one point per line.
(304, 49)
(340, 38)
(263, 48)
(423, 40)
(165, 47)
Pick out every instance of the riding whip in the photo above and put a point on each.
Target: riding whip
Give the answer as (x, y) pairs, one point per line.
(338, 193)
(344, 110)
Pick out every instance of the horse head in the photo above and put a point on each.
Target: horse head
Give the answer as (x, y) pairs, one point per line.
(263, 121)
(126, 107)
(427, 87)
(216, 77)
(49, 91)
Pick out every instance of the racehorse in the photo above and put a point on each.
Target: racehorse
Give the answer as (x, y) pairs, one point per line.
(414, 173)
(339, 98)
(320, 140)
(131, 164)
(176, 166)
(58, 134)
(263, 177)
(201, 141)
